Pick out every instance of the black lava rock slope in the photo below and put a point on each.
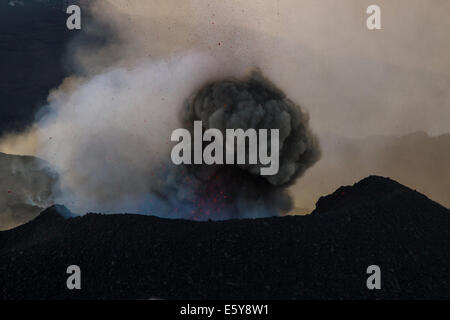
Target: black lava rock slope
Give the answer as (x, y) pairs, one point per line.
(321, 256)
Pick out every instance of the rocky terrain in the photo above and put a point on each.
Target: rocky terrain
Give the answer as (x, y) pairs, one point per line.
(319, 256)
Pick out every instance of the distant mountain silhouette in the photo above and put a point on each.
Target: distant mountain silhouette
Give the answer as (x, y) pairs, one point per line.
(26, 188)
(324, 255)
(360, 196)
(417, 160)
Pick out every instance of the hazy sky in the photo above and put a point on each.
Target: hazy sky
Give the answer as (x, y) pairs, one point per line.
(353, 81)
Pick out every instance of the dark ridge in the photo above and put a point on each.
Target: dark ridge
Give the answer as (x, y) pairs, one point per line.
(320, 256)
(371, 191)
(56, 211)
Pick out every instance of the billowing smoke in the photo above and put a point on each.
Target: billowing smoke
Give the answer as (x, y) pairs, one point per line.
(255, 103)
(225, 191)
(106, 129)
(108, 137)
(107, 132)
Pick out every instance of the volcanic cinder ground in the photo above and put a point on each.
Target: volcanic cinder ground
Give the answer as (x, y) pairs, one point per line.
(321, 256)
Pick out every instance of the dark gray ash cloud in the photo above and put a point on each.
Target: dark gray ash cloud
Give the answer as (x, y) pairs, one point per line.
(239, 191)
(256, 103)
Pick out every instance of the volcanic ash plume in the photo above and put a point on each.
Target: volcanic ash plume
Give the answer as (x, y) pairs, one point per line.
(239, 191)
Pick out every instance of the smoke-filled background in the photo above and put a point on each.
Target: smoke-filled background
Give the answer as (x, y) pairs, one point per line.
(105, 128)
